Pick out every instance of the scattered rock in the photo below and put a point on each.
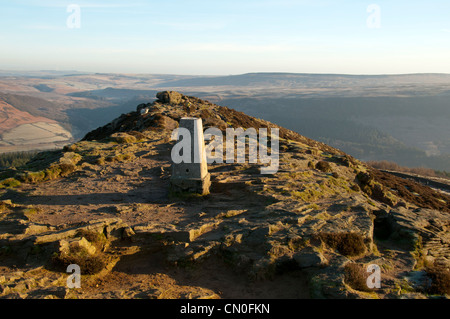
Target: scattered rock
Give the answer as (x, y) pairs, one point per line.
(128, 233)
(324, 167)
(65, 246)
(169, 97)
(123, 138)
(309, 257)
(33, 229)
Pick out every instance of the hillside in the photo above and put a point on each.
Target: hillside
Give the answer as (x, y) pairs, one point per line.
(411, 131)
(401, 118)
(12, 117)
(20, 130)
(307, 231)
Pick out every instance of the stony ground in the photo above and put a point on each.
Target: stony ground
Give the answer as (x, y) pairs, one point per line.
(105, 203)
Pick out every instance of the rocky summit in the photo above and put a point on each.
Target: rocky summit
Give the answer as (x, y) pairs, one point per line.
(311, 230)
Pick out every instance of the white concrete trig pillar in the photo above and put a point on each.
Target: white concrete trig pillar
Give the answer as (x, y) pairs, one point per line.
(189, 170)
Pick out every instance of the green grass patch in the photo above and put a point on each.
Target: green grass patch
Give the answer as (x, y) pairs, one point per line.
(9, 183)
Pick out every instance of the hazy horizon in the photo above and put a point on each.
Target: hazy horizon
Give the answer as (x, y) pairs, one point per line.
(216, 75)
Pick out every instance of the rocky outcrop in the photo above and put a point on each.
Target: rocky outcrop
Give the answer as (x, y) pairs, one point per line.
(170, 97)
(321, 211)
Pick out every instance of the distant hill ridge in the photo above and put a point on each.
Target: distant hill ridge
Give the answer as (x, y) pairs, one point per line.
(249, 79)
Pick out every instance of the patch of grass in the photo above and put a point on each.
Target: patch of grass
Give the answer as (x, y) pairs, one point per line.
(66, 169)
(273, 228)
(347, 244)
(9, 183)
(337, 181)
(120, 158)
(100, 161)
(308, 194)
(386, 267)
(49, 165)
(338, 185)
(6, 204)
(30, 211)
(53, 172)
(417, 250)
(324, 166)
(32, 177)
(440, 280)
(313, 206)
(375, 250)
(123, 138)
(89, 264)
(70, 148)
(403, 286)
(298, 175)
(372, 203)
(356, 277)
(323, 216)
(297, 243)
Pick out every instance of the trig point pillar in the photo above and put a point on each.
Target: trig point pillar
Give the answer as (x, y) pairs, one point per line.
(191, 175)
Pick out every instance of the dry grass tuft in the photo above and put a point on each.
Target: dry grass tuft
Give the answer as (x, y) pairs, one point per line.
(324, 167)
(347, 244)
(90, 264)
(356, 277)
(440, 280)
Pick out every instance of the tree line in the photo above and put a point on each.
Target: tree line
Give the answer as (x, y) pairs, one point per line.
(16, 159)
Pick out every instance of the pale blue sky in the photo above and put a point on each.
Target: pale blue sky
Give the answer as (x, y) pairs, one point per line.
(227, 37)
